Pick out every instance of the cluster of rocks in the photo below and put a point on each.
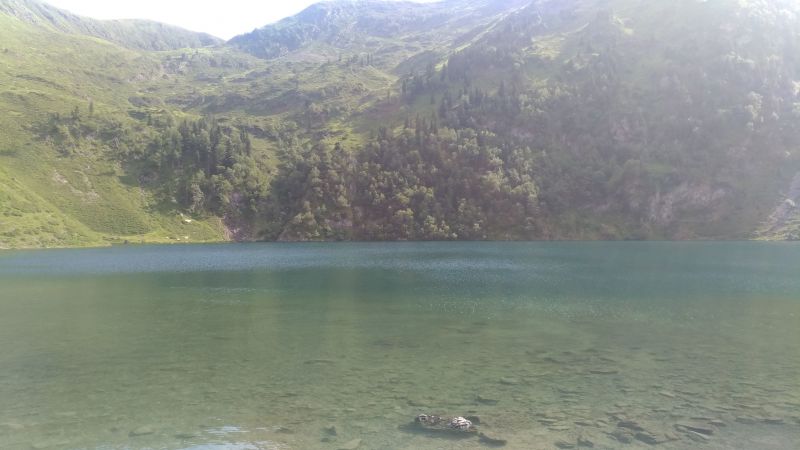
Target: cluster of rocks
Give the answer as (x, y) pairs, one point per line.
(458, 424)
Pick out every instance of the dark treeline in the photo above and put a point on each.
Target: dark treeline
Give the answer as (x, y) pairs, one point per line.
(423, 183)
(205, 167)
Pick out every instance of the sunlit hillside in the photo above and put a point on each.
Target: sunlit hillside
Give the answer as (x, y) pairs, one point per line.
(464, 119)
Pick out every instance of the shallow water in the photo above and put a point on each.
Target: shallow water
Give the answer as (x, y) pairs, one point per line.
(269, 346)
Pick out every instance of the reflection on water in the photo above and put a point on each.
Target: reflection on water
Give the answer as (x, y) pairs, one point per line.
(331, 346)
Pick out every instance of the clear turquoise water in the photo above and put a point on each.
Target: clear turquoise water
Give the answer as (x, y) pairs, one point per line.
(264, 346)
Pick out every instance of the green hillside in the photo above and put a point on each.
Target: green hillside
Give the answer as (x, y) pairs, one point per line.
(68, 187)
(465, 119)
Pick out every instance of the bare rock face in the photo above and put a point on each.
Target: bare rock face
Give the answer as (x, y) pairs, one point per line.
(784, 213)
(663, 207)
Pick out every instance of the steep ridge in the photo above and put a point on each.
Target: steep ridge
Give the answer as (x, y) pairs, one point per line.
(373, 26)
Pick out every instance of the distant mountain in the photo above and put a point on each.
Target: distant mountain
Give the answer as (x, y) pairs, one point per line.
(135, 34)
(461, 119)
(374, 26)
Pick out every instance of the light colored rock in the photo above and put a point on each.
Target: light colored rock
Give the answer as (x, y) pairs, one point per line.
(696, 427)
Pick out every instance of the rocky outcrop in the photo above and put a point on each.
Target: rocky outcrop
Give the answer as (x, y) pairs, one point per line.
(784, 222)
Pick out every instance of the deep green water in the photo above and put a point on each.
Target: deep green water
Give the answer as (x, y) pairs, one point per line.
(264, 346)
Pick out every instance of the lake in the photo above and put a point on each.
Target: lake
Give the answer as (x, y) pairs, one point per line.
(340, 346)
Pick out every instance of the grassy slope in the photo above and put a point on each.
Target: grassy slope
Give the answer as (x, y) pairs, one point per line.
(50, 200)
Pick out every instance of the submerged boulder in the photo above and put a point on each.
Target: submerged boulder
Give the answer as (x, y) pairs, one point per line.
(433, 422)
(455, 427)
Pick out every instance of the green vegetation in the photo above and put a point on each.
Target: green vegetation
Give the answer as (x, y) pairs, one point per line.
(465, 119)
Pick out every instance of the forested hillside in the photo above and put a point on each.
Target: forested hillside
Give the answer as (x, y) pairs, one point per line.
(464, 119)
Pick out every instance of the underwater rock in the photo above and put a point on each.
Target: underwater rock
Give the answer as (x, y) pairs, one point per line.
(697, 428)
(142, 431)
(564, 444)
(583, 441)
(457, 426)
(697, 437)
(654, 438)
(183, 436)
(486, 400)
(630, 424)
(330, 430)
(604, 372)
(438, 423)
(623, 435)
(414, 403)
(476, 420)
(320, 361)
(509, 381)
(773, 420)
(351, 445)
(490, 441)
(460, 423)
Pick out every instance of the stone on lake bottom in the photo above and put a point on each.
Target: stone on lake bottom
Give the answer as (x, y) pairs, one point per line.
(630, 424)
(142, 431)
(351, 445)
(773, 420)
(622, 435)
(604, 372)
(697, 428)
(695, 436)
(492, 442)
(486, 400)
(654, 438)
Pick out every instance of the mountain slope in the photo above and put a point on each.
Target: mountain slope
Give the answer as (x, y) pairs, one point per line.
(465, 119)
(62, 185)
(373, 26)
(134, 34)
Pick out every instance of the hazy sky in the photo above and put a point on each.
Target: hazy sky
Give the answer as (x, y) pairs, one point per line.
(222, 18)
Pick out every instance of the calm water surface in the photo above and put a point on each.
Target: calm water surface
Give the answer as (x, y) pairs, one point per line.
(332, 346)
